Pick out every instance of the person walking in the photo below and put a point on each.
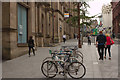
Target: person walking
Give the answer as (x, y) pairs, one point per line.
(74, 36)
(100, 44)
(108, 46)
(64, 38)
(89, 39)
(113, 35)
(31, 45)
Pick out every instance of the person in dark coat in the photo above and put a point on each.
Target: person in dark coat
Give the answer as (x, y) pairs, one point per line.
(100, 44)
(31, 45)
(113, 35)
(89, 39)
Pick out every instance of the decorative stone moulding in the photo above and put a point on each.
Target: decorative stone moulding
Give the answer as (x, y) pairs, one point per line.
(39, 34)
(47, 36)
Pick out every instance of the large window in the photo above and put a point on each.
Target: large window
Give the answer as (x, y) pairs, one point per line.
(22, 24)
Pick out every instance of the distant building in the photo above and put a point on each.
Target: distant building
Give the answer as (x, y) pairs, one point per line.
(94, 26)
(100, 21)
(107, 18)
(94, 23)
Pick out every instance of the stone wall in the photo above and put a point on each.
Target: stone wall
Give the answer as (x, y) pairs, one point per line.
(43, 24)
(116, 18)
(11, 49)
(5, 30)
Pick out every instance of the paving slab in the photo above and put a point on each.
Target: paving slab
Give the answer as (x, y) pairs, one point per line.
(30, 67)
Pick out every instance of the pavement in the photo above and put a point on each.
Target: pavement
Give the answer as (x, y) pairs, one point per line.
(29, 67)
(116, 40)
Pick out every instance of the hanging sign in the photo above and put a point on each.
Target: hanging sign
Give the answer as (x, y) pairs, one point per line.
(66, 14)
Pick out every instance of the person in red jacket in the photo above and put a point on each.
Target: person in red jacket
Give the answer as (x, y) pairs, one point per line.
(108, 46)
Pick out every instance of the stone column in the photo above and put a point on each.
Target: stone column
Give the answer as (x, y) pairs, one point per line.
(51, 28)
(56, 23)
(36, 24)
(5, 31)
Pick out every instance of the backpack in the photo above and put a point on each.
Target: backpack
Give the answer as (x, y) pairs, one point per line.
(101, 39)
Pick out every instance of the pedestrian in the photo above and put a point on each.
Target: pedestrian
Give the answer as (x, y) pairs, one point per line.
(64, 38)
(31, 45)
(74, 36)
(113, 35)
(108, 46)
(100, 44)
(89, 39)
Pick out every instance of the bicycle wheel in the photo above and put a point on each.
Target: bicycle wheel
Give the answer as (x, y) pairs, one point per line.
(48, 58)
(78, 52)
(49, 69)
(79, 58)
(76, 70)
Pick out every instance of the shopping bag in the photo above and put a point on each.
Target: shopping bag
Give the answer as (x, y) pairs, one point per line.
(112, 42)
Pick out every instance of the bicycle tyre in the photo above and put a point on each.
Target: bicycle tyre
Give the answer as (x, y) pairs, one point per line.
(79, 57)
(78, 52)
(52, 64)
(81, 65)
(48, 58)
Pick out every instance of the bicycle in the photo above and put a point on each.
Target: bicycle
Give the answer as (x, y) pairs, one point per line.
(50, 67)
(75, 52)
(75, 49)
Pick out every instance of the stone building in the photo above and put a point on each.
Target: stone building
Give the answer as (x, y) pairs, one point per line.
(18, 23)
(116, 18)
(43, 20)
(107, 17)
(94, 23)
(43, 24)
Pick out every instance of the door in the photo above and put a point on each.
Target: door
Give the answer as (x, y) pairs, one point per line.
(22, 24)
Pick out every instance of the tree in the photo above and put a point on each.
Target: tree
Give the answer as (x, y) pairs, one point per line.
(75, 20)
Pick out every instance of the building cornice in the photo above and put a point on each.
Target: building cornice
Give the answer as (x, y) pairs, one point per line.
(24, 4)
(9, 29)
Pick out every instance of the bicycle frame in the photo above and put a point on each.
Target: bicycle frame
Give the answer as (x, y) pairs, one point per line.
(62, 60)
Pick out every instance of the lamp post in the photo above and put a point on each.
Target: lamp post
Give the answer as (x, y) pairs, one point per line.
(79, 41)
(53, 25)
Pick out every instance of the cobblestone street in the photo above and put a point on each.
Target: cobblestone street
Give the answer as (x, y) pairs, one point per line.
(29, 67)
